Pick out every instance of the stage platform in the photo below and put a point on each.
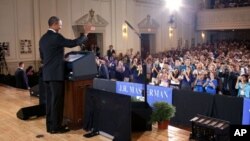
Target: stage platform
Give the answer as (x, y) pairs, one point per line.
(14, 129)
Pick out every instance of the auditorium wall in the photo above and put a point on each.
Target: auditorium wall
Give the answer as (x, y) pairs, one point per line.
(23, 22)
(226, 20)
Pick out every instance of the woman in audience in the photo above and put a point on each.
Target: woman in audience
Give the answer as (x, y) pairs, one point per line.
(211, 84)
(155, 69)
(186, 79)
(175, 79)
(31, 76)
(243, 86)
(138, 74)
(164, 78)
(149, 66)
(133, 67)
(120, 69)
(30, 71)
(199, 82)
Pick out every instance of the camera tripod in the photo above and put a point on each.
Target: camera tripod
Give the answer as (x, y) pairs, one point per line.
(3, 63)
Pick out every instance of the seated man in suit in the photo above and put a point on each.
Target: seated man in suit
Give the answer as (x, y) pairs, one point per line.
(21, 77)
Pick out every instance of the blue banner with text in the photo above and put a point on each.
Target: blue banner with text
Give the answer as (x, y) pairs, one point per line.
(159, 94)
(127, 88)
(154, 93)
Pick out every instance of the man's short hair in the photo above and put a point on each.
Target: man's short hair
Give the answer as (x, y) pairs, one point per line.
(53, 20)
(20, 64)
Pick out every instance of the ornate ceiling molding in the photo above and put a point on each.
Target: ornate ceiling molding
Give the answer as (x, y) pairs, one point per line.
(148, 25)
(95, 20)
(98, 22)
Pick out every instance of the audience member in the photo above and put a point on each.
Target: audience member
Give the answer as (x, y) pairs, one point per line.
(21, 77)
(243, 86)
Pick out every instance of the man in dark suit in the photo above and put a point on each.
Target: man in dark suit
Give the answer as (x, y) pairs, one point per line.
(21, 77)
(51, 49)
(103, 70)
(110, 51)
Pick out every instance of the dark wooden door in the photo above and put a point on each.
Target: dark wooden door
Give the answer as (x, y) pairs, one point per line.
(145, 45)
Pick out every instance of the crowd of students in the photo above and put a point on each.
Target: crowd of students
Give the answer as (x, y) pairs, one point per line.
(215, 68)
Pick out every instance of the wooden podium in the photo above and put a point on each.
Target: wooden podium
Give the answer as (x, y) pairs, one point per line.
(74, 102)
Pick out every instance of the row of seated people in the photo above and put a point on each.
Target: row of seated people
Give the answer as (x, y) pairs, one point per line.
(220, 68)
(22, 78)
(25, 78)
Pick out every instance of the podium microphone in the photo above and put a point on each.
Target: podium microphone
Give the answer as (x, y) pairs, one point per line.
(130, 26)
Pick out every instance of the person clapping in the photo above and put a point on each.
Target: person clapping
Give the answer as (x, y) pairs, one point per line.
(243, 86)
(211, 84)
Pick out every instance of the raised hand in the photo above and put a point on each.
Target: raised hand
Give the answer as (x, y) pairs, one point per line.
(87, 28)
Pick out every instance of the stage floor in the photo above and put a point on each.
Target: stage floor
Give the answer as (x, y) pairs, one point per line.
(14, 129)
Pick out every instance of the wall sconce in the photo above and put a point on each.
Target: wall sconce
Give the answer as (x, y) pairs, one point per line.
(170, 32)
(203, 36)
(124, 30)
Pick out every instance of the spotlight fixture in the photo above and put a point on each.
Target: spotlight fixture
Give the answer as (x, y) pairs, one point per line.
(173, 5)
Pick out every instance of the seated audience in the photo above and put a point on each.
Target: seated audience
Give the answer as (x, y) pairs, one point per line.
(209, 67)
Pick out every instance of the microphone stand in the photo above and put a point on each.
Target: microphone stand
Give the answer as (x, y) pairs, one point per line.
(144, 66)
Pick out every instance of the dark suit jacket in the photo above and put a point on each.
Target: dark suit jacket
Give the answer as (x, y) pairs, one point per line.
(21, 79)
(52, 54)
(109, 52)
